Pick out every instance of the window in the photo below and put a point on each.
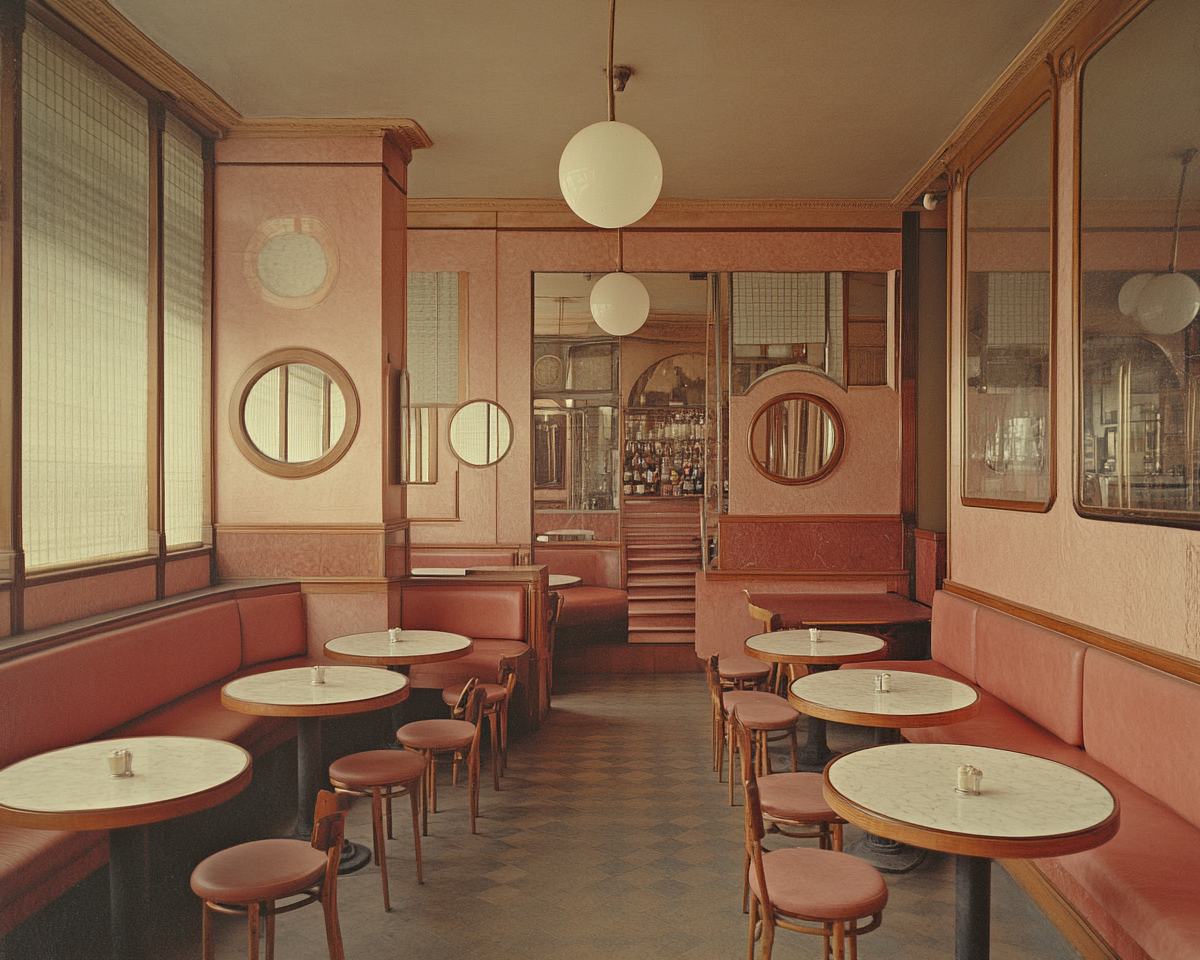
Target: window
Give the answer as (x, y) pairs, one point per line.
(435, 313)
(89, 375)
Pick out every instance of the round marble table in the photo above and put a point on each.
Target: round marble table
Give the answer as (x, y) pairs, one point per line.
(560, 581)
(829, 651)
(915, 700)
(414, 646)
(1028, 807)
(291, 693)
(70, 789)
(438, 571)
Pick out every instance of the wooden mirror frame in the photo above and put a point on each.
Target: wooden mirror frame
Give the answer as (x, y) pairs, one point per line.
(839, 443)
(237, 410)
(450, 427)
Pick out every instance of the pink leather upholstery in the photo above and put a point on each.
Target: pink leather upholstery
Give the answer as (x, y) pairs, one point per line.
(272, 628)
(451, 557)
(36, 866)
(821, 883)
(952, 633)
(491, 610)
(80, 690)
(482, 662)
(1035, 670)
(596, 566)
(594, 605)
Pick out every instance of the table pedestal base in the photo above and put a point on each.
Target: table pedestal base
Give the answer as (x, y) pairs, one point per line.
(887, 856)
(972, 907)
(815, 753)
(129, 890)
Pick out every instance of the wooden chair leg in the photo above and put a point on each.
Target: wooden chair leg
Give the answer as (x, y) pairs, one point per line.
(413, 792)
(333, 929)
(269, 909)
(425, 795)
(473, 785)
(380, 842)
(208, 939)
(836, 830)
(753, 924)
(494, 729)
(389, 815)
(794, 766)
(503, 735)
(252, 915)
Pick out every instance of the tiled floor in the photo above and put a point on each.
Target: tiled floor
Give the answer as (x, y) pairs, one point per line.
(611, 838)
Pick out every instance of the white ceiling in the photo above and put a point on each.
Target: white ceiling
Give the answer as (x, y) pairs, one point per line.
(743, 98)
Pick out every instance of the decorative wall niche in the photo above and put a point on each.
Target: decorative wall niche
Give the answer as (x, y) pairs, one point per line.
(294, 413)
(292, 262)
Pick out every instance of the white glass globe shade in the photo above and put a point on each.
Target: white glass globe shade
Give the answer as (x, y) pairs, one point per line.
(620, 303)
(1168, 303)
(610, 174)
(1131, 289)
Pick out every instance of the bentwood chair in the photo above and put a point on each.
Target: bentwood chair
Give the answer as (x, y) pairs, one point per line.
(780, 677)
(383, 775)
(762, 713)
(459, 738)
(814, 891)
(495, 708)
(252, 878)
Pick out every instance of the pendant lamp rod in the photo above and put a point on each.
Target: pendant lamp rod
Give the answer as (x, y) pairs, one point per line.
(620, 251)
(612, 23)
(1184, 158)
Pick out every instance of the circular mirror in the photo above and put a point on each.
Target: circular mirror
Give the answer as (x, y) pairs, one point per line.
(796, 438)
(294, 413)
(480, 433)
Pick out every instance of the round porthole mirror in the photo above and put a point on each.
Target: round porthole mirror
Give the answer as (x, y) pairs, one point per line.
(796, 438)
(480, 433)
(294, 413)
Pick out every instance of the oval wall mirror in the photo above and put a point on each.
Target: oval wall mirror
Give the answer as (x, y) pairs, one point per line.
(480, 433)
(294, 413)
(796, 438)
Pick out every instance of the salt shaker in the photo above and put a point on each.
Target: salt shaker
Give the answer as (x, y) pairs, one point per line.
(814, 634)
(318, 675)
(883, 682)
(393, 634)
(120, 763)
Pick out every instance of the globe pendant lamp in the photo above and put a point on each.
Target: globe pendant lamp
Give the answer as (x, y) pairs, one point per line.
(610, 174)
(620, 301)
(1167, 302)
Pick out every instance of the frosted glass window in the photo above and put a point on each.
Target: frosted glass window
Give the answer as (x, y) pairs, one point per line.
(183, 345)
(84, 362)
(779, 308)
(433, 348)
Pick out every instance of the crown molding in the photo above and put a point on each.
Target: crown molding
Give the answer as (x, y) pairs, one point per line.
(664, 205)
(119, 38)
(407, 133)
(1035, 55)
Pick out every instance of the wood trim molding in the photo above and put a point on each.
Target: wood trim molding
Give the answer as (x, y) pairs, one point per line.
(1164, 660)
(303, 529)
(110, 31)
(810, 518)
(1052, 35)
(1059, 911)
(832, 576)
(405, 133)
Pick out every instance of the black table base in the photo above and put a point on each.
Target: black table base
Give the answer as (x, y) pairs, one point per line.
(972, 907)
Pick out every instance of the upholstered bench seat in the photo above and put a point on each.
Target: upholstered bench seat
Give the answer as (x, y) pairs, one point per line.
(589, 605)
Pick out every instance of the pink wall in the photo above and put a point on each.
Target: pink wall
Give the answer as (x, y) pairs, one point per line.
(57, 602)
(190, 574)
(1135, 581)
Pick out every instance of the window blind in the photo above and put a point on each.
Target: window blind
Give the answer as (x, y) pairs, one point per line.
(433, 339)
(84, 359)
(1018, 308)
(183, 343)
(779, 308)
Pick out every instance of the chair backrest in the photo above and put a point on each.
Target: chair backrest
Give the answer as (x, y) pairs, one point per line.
(755, 830)
(329, 821)
(771, 621)
(459, 710)
(556, 601)
(712, 667)
(506, 674)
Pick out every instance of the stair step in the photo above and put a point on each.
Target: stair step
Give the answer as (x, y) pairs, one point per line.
(643, 606)
(640, 591)
(664, 635)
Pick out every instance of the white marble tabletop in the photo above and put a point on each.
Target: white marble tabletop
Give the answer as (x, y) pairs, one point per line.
(911, 694)
(1022, 796)
(564, 580)
(414, 646)
(439, 571)
(75, 779)
(799, 646)
(294, 687)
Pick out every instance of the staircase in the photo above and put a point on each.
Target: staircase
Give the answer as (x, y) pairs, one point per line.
(663, 552)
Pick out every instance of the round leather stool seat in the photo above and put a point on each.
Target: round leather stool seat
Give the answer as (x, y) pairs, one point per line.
(494, 692)
(795, 796)
(259, 870)
(761, 711)
(741, 668)
(436, 734)
(821, 883)
(377, 768)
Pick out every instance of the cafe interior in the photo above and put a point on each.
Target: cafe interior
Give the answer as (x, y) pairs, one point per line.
(829, 416)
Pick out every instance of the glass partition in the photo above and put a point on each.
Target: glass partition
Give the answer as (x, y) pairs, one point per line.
(1139, 263)
(1009, 322)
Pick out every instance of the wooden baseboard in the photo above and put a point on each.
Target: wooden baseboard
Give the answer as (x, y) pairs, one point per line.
(1070, 923)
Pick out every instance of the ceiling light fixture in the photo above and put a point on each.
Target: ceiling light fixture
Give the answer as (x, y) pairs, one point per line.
(1167, 302)
(620, 301)
(610, 174)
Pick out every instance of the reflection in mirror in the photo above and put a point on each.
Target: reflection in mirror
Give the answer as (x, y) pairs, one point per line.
(1139, 397)
(796, 438)
(295, 413)
(480, 433)
(1008, 311)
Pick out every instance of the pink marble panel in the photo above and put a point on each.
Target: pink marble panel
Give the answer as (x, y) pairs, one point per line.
(5, 613)
(806, 544)
(307, 553)
(192, 573)
(784, 250)
(63, 600)
(300, 150)
(338, 614)
(931, 565)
